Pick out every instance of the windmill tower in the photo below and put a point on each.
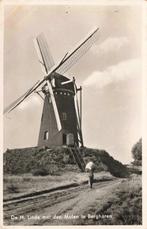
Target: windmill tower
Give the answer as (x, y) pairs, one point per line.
(61, 120)
(61, 115)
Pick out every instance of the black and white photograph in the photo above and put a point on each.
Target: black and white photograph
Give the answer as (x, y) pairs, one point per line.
(72, 119)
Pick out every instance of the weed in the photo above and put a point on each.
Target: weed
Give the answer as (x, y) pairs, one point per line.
(12, 188)
(125, 205)
(40, 172)
(57, 159)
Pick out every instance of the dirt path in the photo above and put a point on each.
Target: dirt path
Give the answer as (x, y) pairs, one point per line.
(65, 207)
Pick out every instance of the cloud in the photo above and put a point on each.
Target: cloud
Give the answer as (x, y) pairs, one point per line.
(115, 73)
(112, 44)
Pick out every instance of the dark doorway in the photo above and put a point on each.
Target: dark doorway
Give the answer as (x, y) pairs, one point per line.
(64, 139)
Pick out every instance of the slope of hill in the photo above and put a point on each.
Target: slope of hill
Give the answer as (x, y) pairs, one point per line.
(58, 159)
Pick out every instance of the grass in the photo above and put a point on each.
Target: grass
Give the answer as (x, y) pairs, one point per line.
(20, 161)
(40, 172)
(27, 183)
(11, 188)
(105, 162)
(124, 205)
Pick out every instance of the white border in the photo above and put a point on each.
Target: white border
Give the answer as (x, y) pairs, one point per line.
(144, 101)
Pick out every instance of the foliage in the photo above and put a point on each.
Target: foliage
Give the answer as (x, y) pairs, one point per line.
(137, 152)
(56, 160)
(12, 188)
(40, 172)
(128, 194)
(135, 171)
(29, 160)
(124, 205)
(104, 161)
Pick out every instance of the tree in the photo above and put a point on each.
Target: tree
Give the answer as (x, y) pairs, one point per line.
(137, 152)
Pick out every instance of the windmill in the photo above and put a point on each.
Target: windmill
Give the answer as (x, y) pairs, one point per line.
(62, 114)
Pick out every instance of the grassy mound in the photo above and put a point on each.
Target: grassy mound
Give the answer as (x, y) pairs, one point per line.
(33, 160)
(105, 162)
(58, 159)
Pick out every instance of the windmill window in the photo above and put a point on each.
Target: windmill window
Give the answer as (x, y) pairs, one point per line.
(64, 116)
(46, 135)
(60, 93)
(64, 93)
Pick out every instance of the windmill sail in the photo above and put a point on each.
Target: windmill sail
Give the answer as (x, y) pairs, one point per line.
(78, 52)
(54, 106)
(44, 54)
(15, 103)
(62, 66)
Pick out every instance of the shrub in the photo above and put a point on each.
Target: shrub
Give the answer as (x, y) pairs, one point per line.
(104, 161)
(40, 172)
(137, 162)
(137, 152)
(12, 188)
(135, 170)
(57, 159)
(125, 204)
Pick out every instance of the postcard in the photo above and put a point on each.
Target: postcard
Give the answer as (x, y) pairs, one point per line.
(74, 113)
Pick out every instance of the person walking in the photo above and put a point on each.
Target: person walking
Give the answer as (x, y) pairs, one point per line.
(90, 169)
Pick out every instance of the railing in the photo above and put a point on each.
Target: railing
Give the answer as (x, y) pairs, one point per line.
(78, 158)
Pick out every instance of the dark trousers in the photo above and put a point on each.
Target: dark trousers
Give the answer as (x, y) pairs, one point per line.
(91, 178)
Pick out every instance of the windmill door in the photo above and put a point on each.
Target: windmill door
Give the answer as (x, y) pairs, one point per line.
(70, 139)
(64, 139)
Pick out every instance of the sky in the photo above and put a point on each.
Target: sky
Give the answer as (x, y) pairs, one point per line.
(109, 73)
